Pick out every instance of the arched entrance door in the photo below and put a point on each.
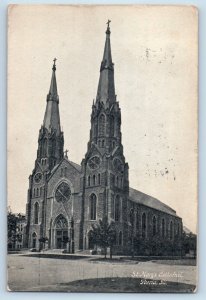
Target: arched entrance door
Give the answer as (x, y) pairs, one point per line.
(61, 232)
(91, 243)
(34, 236)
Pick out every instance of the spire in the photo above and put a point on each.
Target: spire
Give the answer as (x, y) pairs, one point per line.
(106, 88)
(53, 86)
(51, 117)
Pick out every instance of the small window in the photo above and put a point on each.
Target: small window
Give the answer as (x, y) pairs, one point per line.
(94, 180)
(117, 208)
(111, 126)
(112, 206)
(36, 213)
(178, 229)
(144, 225)
(93, 203)
(89, 181)
(99, 179)
(131, 216)
(163, 228)
(120, 238)
(102, 125)
(171, 230)
(154, 226)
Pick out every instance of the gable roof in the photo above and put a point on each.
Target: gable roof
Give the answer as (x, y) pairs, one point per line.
(76, 166)
(144, 199)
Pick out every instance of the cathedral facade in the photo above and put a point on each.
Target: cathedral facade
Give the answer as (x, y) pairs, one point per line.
(64, 198)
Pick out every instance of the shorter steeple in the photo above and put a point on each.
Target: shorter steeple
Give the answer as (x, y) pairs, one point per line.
(106, 88)
(51, 117)
(51, 138)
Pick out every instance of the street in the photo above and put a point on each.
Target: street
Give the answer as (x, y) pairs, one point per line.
(28, 273)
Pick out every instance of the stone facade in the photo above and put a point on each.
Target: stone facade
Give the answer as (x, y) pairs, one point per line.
(65, 199)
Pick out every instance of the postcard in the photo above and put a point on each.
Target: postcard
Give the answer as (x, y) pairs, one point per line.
(102, 148)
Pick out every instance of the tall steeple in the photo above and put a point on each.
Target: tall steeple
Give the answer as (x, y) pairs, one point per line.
(51, 117)
(51, 139)
(106, 114)
(106, 88)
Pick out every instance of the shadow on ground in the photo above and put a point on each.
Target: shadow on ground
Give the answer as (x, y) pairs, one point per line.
(179, 262)
(125, 285)
(56, 256)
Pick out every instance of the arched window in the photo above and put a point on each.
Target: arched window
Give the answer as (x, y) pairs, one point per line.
(171, 230)
(117, 181)
(94, 179)
(154, 226)
(144, 225)
(163, 228)
(61, 223)
(117, 208)
(178, 229)
(36, 213)
(53, 147)
(65, 171)
(131, 216)
(115, 238)
(37, 192)
(99, 179)
(89, 181)
(120, 238)
(44, 147)
(102, 125)
(111, 126)
(34, 192)
(93, 203)
(137, 222)
(121, 179)
(112, 206)
(40, 191)
(102, 143)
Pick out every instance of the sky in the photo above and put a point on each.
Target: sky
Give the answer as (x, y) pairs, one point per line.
(154, 50)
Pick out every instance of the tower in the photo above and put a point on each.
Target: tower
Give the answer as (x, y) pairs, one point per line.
(105, 171)
(49, 154)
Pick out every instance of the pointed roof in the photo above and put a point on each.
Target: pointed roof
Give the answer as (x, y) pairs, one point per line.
(106, 88)
(53, 86)
(51, 117)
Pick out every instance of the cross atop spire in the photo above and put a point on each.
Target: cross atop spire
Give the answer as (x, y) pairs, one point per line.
(108, 28)
(54, 64)
(65, 153)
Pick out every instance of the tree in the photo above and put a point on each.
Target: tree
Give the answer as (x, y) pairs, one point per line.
(13, 233)
(43, 240)
(104, 235)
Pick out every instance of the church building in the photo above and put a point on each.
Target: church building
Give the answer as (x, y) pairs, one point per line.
(65, 198)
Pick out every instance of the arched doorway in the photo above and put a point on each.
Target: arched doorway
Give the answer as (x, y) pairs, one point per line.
(91, 242)
(34, 236)
(61, 232)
